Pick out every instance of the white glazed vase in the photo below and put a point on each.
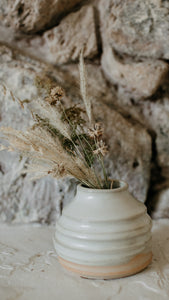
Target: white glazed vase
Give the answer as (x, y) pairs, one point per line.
(104, 234)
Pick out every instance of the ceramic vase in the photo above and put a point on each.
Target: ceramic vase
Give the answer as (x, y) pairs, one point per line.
(104, 234)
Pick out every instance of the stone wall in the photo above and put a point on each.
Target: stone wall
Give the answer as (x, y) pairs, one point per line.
(126, 48)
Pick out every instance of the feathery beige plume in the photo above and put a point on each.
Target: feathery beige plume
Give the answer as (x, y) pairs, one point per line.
(83, 87)
(46, 111)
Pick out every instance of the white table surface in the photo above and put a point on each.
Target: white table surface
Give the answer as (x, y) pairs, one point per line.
(29, 269)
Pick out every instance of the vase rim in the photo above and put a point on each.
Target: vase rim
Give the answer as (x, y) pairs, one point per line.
(122, 187)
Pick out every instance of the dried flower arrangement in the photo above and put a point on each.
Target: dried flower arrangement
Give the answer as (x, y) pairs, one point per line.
(60, 143)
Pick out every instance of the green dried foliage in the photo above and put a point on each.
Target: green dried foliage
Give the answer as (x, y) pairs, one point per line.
(88, 147)
(73, 115)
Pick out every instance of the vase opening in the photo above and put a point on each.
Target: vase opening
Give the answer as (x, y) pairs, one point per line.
(117, 186)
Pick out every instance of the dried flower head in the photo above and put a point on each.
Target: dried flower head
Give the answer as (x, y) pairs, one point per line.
(102, 148)
(73, 115)
(56, 94)
(96, 132)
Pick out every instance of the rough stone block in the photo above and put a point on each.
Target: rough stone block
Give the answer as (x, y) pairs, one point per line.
(140, 79)
(138, 28)
(32, 16)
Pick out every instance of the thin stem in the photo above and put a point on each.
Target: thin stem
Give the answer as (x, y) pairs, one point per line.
(100, 160)
(85, 182)
(104, 171)
(83, 149)
(102, 165)
(70, 124)
(97, 178)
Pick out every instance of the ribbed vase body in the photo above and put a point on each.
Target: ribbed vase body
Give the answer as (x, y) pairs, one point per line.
(104, 234)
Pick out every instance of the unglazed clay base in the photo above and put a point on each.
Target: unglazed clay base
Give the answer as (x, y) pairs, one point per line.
(135, 265)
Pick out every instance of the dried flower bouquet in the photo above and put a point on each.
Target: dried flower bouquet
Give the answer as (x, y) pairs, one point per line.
(60, 143)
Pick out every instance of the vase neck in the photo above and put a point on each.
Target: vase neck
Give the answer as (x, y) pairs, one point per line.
(117, 187)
